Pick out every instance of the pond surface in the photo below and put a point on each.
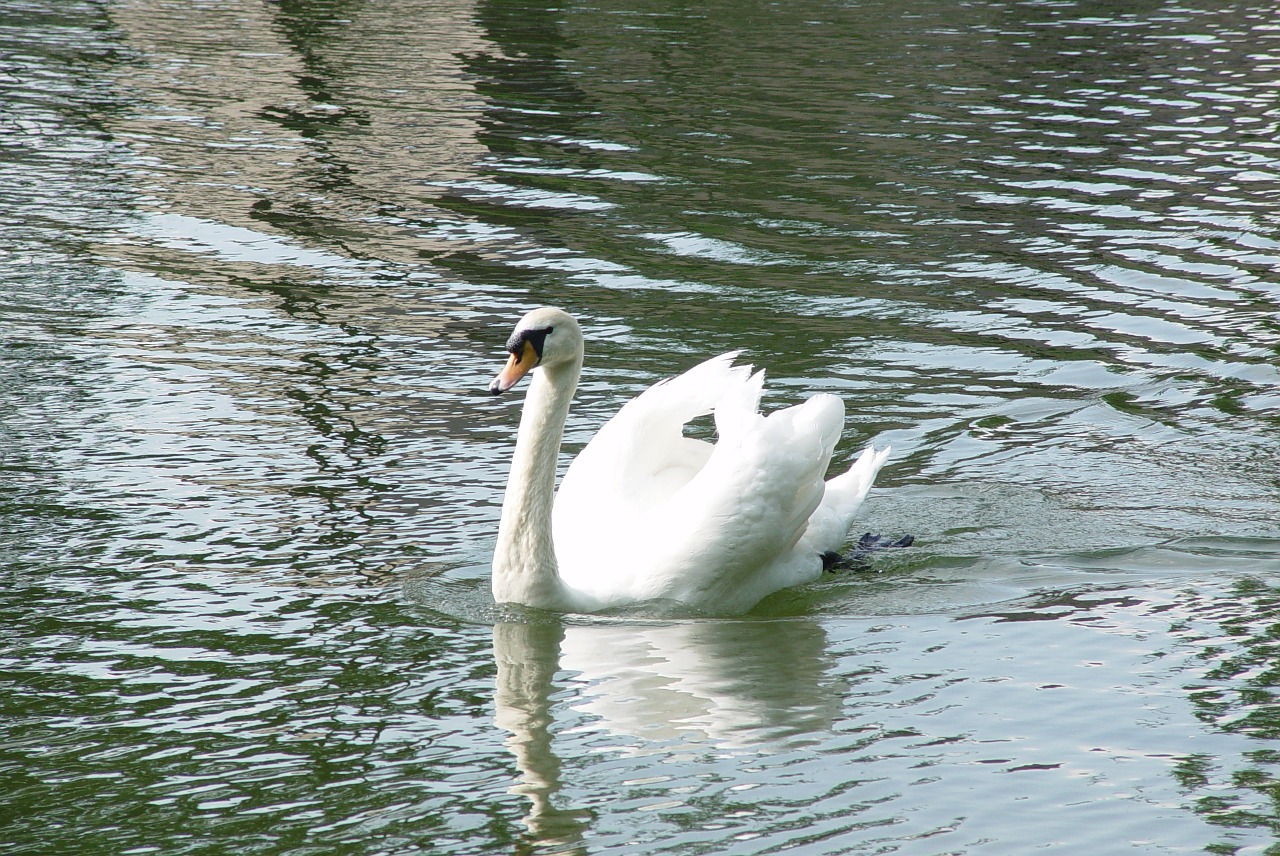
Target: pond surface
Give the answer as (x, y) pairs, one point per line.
(259, 260)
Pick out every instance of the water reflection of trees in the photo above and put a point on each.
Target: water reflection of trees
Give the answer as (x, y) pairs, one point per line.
(1239, 640)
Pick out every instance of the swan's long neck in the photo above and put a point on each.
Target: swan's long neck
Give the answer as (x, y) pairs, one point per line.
(524, 559)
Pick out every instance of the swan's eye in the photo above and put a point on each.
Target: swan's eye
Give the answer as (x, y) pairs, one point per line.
(534, 338)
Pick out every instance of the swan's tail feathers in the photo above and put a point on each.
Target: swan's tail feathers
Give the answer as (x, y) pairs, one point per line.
(830, 524)
(857, 557)
(848, 489)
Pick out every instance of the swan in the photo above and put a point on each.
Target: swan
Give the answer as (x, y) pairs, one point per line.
(644, 513)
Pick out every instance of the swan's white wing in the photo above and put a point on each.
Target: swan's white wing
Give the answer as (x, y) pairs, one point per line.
(732, 534)
(639, 459)
(645, 512)
(643, 447)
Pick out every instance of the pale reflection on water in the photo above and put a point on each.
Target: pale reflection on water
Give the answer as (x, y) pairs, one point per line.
(888, 731)
(660, 689)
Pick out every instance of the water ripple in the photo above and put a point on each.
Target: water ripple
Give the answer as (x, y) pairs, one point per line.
(259, 261)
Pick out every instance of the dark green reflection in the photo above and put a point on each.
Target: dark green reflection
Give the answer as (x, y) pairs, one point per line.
(1239, 693)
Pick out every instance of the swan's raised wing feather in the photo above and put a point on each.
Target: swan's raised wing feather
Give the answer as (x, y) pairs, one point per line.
(744, 513)
(640, 457)
(633, 467)
(645, 512)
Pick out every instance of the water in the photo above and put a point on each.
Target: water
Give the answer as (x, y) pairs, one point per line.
(258, 262)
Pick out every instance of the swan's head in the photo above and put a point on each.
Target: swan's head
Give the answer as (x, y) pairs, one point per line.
(546, 337)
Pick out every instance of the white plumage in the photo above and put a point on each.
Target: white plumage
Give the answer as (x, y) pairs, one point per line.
(645, 513)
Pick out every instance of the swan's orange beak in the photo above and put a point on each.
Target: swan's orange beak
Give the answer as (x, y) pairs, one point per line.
(517, 367)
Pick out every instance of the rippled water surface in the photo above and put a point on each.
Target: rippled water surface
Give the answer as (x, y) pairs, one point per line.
(259, 259)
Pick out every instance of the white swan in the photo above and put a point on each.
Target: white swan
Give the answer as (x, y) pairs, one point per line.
(644, 512)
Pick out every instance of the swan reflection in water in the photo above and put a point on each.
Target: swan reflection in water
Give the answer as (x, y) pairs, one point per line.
(721, 685)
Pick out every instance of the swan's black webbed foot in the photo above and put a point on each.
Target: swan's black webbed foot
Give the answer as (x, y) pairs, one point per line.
(867, 544)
